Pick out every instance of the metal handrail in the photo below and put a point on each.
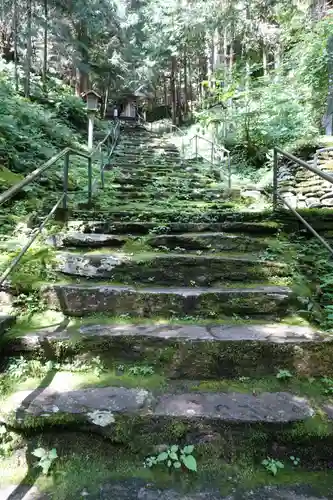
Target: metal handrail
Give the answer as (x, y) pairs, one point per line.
(214, 149)
(65, 153)
(277, 196)
(9, 193)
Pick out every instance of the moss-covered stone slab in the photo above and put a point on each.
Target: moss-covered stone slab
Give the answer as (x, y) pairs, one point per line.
(191, 351)
(209, 241)
(169, 269)
(81, 300)
(137, 489)
(101, 406)
(141, 420)
(81, 240)
(142, 228)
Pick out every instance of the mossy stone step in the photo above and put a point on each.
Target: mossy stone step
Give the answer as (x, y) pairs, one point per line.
(134, 489)
(209, 241)
(162, 214)
(190, 351)
(140, 420)
(84, 300)
(169, 269)
(143, 228)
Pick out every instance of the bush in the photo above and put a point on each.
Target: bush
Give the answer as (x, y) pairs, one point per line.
(72, 109)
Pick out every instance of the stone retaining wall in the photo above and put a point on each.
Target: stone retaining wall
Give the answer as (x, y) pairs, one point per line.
(302, 188)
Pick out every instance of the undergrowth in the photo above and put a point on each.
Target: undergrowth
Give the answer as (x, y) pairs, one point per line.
(312, 276)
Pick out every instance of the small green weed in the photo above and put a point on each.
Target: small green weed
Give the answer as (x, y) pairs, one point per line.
(143, 370)
(46, 458)
(284, 375)
(6, 441)
(295, 460)
(272, 465)
(328, 384)
(174, 457)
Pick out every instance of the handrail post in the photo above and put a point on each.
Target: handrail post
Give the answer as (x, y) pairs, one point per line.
(65, 180)
(229, 172)
(275, 178)
(212, 154)
(196, 147)
(89, 180)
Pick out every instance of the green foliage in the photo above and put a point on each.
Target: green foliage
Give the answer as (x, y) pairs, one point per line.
(46, 458)
(35, 266)
(20, 369)
(72, 110)
(174, 457)
(141, 370)
(295, 460)
(6, 441)
(328, 386)
(29, 133)
(272, 465)
(284, 375)
(312, 276)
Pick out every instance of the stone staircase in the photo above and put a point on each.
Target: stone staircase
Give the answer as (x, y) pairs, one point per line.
(169, 277)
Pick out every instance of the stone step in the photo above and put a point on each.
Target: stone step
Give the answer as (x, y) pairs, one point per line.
(162, 214)
(209, 241)
(141, 420)
(147, 195)
(148, 153)
(134, 489)
(143, 228)
(190, 351)
(83, 300)
(169, 269)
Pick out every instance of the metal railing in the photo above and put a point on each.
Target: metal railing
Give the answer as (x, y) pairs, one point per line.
(277, 196)
(219, 153)
(103, 151)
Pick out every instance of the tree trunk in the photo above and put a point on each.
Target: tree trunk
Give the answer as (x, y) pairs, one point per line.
(209, 60)
(46, 20)
(15, 34)
(29, 49)
(166, 98)
(328, 118)
(264, 58)
(185, 84)
(83, 64)
(173, 89)
(179, 95)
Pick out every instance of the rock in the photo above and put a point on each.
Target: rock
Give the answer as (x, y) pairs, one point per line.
(136, 489)
(327, 196)
(105, 409)
(327, 202)
(251, 194)
(206, 352)
(86, 240)
(96, 406)
(290, 198)
(6, 322)
(236, 407)
(79, 300)
(313, 202)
